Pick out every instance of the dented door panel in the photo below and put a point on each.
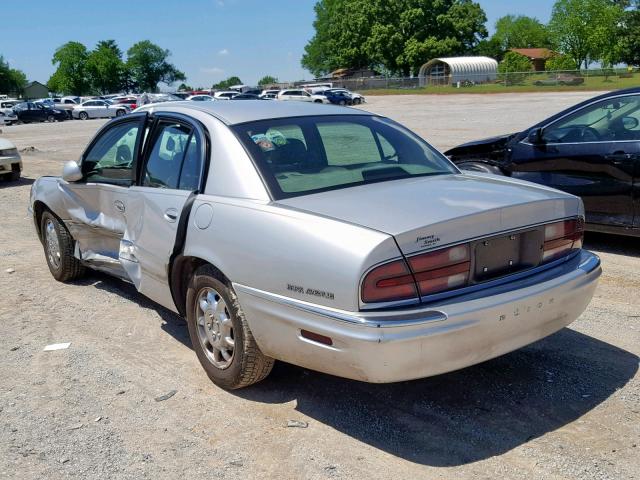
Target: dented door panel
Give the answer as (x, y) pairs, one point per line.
(147, 245)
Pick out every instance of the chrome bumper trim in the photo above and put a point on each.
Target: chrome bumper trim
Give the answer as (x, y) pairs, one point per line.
(365, 319)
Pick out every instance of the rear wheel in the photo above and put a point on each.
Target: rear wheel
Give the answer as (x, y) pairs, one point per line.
(83, 115)
(343, 103)
(120, 112)
(58, 249)
(220, 334)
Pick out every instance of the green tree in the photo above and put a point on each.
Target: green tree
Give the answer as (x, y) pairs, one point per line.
(184, 87)
(106, 68)
(225, 84)
(397, 36)
(629, 38)
(583, 29)
(12, 81)
(71, 76)
(148, 65)
(560, 62)
(267, 80)
(513, 67)
(521, 32)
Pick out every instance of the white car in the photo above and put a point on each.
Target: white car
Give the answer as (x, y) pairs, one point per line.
(7, 115)
(200, 98)
(269, 93)
(10, 161)
(297, 95)
(225, 95)
(99, 109)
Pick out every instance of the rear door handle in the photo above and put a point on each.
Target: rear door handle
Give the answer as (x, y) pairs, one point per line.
(171, 215)
(119, 204)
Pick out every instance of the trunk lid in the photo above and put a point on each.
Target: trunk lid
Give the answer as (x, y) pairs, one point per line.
(430, 212)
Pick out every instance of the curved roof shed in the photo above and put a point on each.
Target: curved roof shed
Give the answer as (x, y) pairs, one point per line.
(458, 69)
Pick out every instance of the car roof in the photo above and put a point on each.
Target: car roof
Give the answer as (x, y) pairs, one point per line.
(233, 113)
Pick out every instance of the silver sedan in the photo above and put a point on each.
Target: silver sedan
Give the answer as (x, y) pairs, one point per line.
(99, 109)
(326, 237)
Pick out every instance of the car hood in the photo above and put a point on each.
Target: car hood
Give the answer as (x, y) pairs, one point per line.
(486, 145)
(426, 212)
(6, 144)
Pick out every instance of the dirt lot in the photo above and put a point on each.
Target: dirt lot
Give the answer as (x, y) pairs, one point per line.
(566, 407)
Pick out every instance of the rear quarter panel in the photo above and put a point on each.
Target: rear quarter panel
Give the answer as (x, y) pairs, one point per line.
(284, 251)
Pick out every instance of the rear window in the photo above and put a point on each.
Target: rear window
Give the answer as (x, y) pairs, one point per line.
(299, 156)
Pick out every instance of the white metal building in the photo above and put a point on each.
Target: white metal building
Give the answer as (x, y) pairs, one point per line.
(449, 71)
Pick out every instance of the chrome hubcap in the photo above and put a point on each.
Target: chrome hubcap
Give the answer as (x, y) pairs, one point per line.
(215, 330)
(53, 245)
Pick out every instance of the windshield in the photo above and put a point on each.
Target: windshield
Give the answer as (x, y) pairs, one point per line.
(299, 156)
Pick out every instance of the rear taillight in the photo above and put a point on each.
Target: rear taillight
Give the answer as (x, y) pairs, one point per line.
(562, 237)
(388, 283)
(442, 270)
(433, 272)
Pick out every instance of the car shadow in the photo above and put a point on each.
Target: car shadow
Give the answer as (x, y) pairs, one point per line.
(18, 183)
(465, 416)
(451, 419)
(617, 244)
(173, 323)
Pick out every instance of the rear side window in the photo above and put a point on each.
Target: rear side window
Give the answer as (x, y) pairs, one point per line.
(175, 161)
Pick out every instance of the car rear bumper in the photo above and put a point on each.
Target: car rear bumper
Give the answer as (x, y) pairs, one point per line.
(392, 346)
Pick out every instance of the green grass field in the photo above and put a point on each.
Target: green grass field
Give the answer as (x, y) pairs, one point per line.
(593, 83)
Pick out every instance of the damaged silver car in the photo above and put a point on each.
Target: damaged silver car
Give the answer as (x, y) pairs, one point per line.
(326, 237)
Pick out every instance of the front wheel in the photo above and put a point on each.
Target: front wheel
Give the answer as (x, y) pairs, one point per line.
(83, 115)
(120, 112)
(58, 249)
(220, 334)
(51, 118)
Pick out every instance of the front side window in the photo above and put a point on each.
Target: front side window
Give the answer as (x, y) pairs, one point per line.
(614, 119)
(299, 156)
(111, 158)
(175, 160)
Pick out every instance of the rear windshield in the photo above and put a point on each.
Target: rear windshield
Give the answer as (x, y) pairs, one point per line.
(299, 156)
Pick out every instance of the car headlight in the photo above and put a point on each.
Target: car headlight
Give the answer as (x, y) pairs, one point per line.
(9, 152)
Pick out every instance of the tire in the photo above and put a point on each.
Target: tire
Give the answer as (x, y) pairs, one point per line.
(357, 101)
(14, 176)
(62, 264)
(243, 364)
(51, 118)
(83, 115)
(317, 101)
(120, 112)
(343, 103)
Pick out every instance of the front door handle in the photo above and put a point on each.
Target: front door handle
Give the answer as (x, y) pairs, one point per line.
(171, 215)
(119, 204)
(620, 158)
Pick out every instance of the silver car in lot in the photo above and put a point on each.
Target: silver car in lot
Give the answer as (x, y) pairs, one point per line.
(99, 109)
(323, 236)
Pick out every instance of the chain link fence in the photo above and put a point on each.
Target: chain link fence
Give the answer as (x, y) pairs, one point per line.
(598, 79)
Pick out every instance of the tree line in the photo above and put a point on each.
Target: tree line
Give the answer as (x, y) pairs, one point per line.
(12, 80)
(80, 71)
(396, 37)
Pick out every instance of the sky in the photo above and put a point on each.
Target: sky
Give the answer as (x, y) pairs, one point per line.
(209, 39)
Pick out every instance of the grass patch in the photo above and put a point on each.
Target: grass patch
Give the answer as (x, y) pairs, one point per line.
(595, 83)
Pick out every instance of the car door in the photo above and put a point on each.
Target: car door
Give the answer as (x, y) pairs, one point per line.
(96, 206)
(92, 108)
(159, 204)
(590, 153)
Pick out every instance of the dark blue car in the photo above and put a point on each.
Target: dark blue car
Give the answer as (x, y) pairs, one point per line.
(591, 150)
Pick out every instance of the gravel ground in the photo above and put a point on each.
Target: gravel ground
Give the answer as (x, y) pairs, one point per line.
(566, 407)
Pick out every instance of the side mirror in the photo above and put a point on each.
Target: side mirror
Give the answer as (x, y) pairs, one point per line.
(535, 136)
(71, 172)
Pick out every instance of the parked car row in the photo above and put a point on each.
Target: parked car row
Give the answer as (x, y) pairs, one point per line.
(336, 96)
